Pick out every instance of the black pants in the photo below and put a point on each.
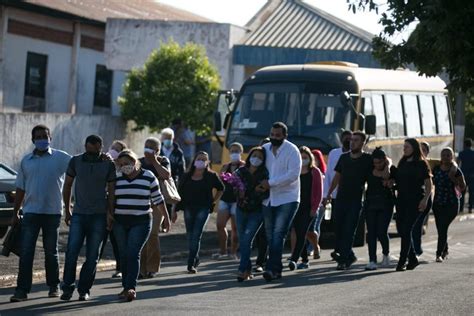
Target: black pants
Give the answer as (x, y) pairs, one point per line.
(407, 215)
(262, 246)
(301, 224)
(115, 250)
(444, 216)
(470, 188)
(377, 228)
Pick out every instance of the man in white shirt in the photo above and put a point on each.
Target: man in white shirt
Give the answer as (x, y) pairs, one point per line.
(283, 162)
(333, 159)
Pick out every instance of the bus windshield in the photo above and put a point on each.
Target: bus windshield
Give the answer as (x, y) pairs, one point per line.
(314, 115)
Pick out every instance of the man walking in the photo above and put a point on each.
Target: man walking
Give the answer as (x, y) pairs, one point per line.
(39, 182)
(333, 159)
(92, 175)
(466, 162)
(351, 175)
(284, 165)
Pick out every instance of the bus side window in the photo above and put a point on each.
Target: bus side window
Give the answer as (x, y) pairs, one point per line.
(427, 114)
(442, 113)
(412, 115)
(379, 111)
(396, 120)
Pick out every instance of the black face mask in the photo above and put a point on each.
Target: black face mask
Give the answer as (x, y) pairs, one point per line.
(346, 144)
(276, 142)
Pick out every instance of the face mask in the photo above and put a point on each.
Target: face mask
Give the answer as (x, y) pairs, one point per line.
(255, 161)
(113, 153)
(149, 151)
(167, 143)
(199, 164)
(127, 169)
(305, 162)
(276, 142)
(42, 144)
(234, 157)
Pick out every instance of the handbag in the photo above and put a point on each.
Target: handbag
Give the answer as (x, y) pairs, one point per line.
(12, 242)
(169, 191)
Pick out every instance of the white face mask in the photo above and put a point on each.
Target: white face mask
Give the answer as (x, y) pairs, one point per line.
(234, 157)
(113, 153)
(149, 151)
(127, 169)
(305, 162)
(255, 161)
(200, 164)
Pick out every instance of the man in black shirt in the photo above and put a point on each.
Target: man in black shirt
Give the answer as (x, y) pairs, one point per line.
(352, 170)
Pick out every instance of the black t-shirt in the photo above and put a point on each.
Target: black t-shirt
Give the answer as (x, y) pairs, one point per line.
(375, 185)
(410, 178)
(354, 173)
(306, 181)
(198, 193)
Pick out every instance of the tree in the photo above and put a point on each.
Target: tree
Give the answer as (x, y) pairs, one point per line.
(175, 82)
(442, 41)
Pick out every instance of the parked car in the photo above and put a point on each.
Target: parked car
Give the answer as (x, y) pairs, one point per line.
(7, 197)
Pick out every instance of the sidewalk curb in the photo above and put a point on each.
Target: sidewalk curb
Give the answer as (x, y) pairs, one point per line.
(103, 265)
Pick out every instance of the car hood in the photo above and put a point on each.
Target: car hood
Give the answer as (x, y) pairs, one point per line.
(7, 185)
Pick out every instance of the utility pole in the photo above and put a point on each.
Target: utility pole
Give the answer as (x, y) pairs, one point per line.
(459, 121)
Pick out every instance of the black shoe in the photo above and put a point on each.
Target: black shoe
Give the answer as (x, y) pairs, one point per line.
(66, 296)
(351, 261)
(192, 270)
(268, 276)
(84, 297)
(412, 265)
(53, 291)
(341, 266)
(400, 267)
(18, 297)
(291, 265)
(335, 255)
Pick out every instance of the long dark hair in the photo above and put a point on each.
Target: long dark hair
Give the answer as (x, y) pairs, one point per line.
(254, 149)
(417, 153)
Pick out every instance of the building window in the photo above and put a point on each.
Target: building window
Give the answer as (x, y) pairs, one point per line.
(428, 116)
(103, 87)
(396, 122)
(35, 82)
(412, 115)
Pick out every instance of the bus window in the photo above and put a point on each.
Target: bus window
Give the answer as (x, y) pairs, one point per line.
(427, 114)
(412, 115)
(393, 105)
(442, 112)
(374, 106)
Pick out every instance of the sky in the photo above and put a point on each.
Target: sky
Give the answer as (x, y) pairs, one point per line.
(239, 12)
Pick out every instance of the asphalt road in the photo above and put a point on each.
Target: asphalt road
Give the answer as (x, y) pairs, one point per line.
(431, 289)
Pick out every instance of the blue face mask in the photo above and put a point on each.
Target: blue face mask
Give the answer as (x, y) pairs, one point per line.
(167, 143)
(42, 144)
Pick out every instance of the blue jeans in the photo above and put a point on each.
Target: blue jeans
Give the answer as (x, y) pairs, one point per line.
(195, 221)
(348, 213)
(131, 233)
(277, 220)
(248, 224)
(93, 228)
(31, 225)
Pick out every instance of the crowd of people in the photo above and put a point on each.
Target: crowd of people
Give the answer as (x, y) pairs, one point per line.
(279, 189)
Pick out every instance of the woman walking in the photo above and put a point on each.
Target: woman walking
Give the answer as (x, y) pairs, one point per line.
(449, 183)
(414, 185)
(311, 181)
(228, 205)
(137, 196)
(197, 201)
(379, 201)
(249, 206)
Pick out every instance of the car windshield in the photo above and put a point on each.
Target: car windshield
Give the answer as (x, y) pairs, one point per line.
(6, 174)
(313, 114)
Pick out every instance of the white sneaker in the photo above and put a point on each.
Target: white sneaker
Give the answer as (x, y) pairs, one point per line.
(371, 266)
(386, 261)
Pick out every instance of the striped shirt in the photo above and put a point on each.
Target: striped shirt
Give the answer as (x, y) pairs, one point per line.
(135, 197)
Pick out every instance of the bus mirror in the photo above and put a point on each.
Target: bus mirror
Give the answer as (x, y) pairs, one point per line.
(345, 98)
(370, 124)
(226, 120)
(217, 121)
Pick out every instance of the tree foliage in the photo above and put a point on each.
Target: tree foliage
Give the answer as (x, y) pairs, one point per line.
(442, 41)
(175, 82)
